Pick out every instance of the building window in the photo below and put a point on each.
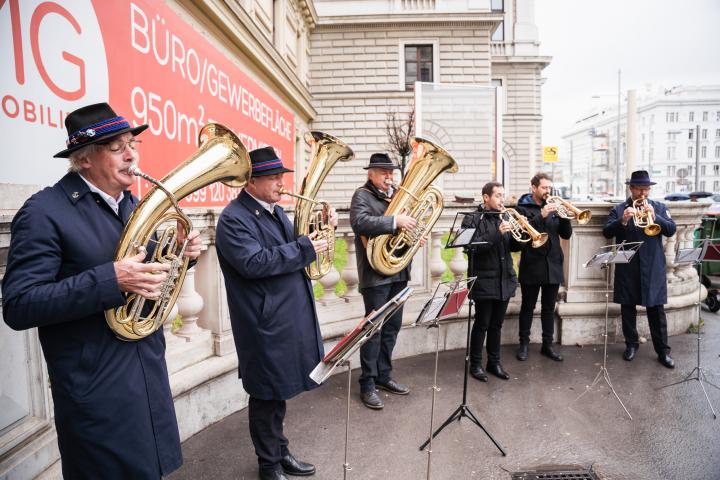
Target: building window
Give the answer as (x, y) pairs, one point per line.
(689, 170)
(704, 134)
(703, 152)
(652, 137)
(716, 169)
(716, 186)
(691, 134)
(690, 152)
(705, 116)
(650, 154)
(717, 151)
(499, 34)
(668, 186)
(702, 185)
(717, 116)
(497, 5)
(691, 117)
(671, 170)
(717, 133)
(418, 65)
(671, 153)
(702, 169)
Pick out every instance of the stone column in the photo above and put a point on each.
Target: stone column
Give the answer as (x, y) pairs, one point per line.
(350, 273)
(458, 264)
(189, 305)
(437, 264)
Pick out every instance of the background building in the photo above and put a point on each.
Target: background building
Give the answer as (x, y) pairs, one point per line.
(666, 143)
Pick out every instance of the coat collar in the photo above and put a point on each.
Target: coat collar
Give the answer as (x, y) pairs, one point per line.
(74, 187)
(375, 191)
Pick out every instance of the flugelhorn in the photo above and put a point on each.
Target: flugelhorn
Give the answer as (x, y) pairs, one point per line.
(643, 219)
(390, 254)
(311, 215)
(221, 157)
(567, 210)
(521, 229)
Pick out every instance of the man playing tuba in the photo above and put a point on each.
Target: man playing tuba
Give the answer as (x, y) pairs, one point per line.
(367, 218)
(114, 410)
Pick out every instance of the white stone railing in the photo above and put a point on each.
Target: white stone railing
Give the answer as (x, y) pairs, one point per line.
(201, 353)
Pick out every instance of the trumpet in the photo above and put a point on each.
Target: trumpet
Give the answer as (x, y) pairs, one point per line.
(567, 210)
(521, 229)
(643, 219)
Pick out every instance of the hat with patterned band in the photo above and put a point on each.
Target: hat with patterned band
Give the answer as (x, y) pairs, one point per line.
(266, 162)
(94, 124)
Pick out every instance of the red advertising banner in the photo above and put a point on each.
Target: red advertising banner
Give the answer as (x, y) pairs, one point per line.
(149, 63)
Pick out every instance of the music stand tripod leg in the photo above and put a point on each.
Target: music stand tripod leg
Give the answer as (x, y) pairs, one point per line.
(346, 465)
(434, 390)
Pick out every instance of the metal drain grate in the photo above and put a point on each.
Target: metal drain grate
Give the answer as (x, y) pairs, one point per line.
(556, 475)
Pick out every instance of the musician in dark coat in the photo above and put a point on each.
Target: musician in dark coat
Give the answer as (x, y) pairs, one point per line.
(496, 281)
(367, 218)
(541, 269)
(114, 410)
(643, 280)
(272, 308)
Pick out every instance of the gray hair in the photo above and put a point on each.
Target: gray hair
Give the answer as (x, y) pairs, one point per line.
(76, 158)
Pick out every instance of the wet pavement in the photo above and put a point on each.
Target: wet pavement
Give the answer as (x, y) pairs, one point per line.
(534, 416)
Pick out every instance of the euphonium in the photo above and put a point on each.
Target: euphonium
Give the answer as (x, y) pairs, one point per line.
(567, 210)
(390, 254)
(643, 219)
(221, 157)
(326, 151)
(521, 229)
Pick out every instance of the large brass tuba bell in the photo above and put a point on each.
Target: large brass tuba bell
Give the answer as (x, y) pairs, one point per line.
(390, 254)
(221, 157)
(312, 215)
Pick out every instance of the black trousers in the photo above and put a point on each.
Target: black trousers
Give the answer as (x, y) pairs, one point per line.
(658, 327)
(489, 316)
(266, 430)
(376, 353)
(547, 310)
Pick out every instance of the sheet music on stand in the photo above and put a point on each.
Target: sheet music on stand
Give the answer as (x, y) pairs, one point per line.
(446, 302)
(621, 253)
(691, 255)
(461, 232)
(365, 329)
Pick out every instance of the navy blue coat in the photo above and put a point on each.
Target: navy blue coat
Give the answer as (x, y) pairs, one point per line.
(543, 265)
(642, 281)
(114, 410)
(272, 308)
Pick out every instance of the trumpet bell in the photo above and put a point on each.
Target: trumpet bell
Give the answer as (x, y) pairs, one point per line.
(652, 230)
(584, 217)
(539, 240)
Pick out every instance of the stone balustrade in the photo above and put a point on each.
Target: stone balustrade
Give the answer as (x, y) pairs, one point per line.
(201, 352)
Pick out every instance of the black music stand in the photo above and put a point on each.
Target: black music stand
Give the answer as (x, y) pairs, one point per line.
(694, 256)
(445, 303)
(461, 236)
(603, 258)
(349, 344)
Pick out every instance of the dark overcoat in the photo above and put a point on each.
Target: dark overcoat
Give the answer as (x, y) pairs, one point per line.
(272, 307)
(643, 281)
(492, 261)
(543, 265)
(113, 406)
(367, 219)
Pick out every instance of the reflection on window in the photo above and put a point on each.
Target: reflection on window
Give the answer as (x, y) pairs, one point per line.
(418, 65)
(497, 5)
(499, 33)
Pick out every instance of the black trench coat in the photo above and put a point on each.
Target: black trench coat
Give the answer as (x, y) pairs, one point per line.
(643, 281)
(114, 410)
(272, 308)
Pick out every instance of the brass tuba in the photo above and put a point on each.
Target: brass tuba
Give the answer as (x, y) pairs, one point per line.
(643, 219)
(390, 254)
(567, 210)
(326, 151)
(221, 157)
(521, 229)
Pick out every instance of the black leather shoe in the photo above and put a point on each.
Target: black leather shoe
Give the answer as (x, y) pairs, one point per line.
(393, 387)
(293, 466)
(479, 373)
(272, 475)
(629, 353)
(549, 352)
(371, 400)
(522, 352)
(498, 371)
(666, 361)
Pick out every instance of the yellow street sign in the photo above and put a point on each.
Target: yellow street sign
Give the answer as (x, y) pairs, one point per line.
(550, 154)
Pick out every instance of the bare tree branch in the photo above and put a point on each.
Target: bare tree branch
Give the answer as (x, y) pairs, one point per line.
(399, 132)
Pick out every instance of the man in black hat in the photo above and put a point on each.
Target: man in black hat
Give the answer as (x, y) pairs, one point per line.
(272, 308)
(114, 410)
(643, 280)
(367, 218)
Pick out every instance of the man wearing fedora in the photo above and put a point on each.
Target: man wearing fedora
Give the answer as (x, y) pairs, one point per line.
(114, 410)
(272, 308)
(643, 280)
(367, 218)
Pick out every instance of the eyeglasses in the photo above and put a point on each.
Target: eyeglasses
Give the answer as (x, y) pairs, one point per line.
(117, 146)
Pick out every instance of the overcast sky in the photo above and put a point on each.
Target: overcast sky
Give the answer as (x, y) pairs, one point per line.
(658, 42)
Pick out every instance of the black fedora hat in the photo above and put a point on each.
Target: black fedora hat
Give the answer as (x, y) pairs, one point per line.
(93, 124)
(381, 160)
(266, 162)
(640, 178)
